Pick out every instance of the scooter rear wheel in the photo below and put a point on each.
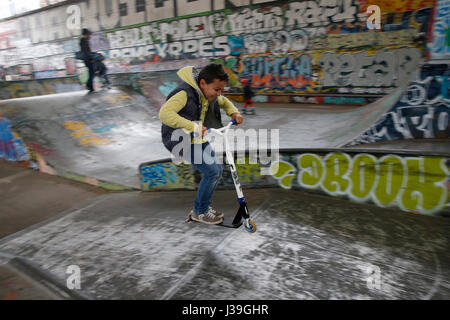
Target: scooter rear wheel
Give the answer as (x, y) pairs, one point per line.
(251, 228)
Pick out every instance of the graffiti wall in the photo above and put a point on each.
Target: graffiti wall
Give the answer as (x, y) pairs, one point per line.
(422, 112)
(12, 147)
(28, 88)
(439, 41)
(166, 175)
(281, 47)
(412, 183)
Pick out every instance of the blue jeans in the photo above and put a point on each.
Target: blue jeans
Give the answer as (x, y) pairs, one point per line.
(211, 170)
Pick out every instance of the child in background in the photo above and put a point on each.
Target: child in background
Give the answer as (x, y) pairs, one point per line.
(248, 94)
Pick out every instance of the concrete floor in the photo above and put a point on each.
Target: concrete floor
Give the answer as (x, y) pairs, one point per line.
(28, 197)
(135, 245)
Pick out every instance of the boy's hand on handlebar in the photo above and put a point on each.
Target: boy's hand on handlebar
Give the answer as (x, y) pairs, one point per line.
(201, 131)
(237, 117)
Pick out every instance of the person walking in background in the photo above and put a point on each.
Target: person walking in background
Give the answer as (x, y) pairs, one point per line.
(86, 55)
(248, 94)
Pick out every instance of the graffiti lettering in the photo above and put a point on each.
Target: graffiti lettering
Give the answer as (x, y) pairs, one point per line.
(411, 183)
(440, 47)
(277, 72)
(422, 112)
(159, 174)
(384, 68)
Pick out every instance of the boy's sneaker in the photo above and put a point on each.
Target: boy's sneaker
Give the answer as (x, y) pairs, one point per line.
(218, 214)
(208, 217)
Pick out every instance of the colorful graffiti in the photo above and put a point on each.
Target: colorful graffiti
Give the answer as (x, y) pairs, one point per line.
(85, 136)
(19, 89)
(167, 175)
(12, 147)
(410, 183)
(307, 99)
(289, 46)
(418, 184)
(440, 44)
(383, 68)
(422, 112)
(278, 72)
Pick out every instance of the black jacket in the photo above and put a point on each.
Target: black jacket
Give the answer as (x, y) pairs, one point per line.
(85, 49)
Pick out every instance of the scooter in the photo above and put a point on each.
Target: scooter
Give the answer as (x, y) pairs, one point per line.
(242, 214)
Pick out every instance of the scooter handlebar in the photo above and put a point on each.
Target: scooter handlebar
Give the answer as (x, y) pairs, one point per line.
(232, 122)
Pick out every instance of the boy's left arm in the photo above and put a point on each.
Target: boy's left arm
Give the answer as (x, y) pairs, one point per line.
(230, 109)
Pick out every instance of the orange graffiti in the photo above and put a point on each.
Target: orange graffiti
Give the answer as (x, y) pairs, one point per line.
(389, 6)
(270, 81)
(87, 137)
(10, 296)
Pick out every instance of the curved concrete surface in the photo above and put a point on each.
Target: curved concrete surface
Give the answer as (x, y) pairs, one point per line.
(136, 246)
(104, 135)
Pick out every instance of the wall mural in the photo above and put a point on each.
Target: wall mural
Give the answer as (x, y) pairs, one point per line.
(417, 184)
(422, 112)
(284, 46)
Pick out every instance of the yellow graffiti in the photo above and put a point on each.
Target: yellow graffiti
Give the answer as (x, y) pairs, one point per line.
(247, 172)
(410, 183)
(118, 98)
(371, 39)
(86, 137)
(336, 179)
(419, 186)
(391, 174)
(284, 172)
(312, 170)
(362, 176)
(387, 6)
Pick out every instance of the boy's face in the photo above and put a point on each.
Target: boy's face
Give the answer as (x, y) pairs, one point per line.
(212, 90)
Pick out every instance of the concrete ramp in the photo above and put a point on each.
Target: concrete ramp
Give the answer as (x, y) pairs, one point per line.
(320, 127)
(100, 138)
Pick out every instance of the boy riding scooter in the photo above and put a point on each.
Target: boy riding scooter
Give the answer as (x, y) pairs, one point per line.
(193, 107)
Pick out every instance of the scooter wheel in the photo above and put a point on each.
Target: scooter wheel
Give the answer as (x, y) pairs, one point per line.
(251, 228)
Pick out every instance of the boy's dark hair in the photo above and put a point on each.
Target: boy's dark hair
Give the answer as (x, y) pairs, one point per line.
(211, 72)
(85, 31)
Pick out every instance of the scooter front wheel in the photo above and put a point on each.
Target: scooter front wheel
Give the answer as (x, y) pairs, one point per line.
(251, 226)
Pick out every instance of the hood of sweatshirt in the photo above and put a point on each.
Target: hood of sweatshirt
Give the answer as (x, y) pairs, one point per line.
(188, 75)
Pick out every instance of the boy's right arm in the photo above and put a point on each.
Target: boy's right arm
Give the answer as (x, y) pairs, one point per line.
(168, 114)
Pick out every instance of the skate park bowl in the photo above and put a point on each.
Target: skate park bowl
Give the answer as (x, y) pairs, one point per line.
(308, 245)
(348, 185)
(112, 139)
(104, 137)
(327, 218)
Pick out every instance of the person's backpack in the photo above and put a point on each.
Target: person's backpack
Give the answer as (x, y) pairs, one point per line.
(79, 55)
(97, 56)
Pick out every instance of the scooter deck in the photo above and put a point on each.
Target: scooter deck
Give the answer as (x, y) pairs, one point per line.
(227, 222)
